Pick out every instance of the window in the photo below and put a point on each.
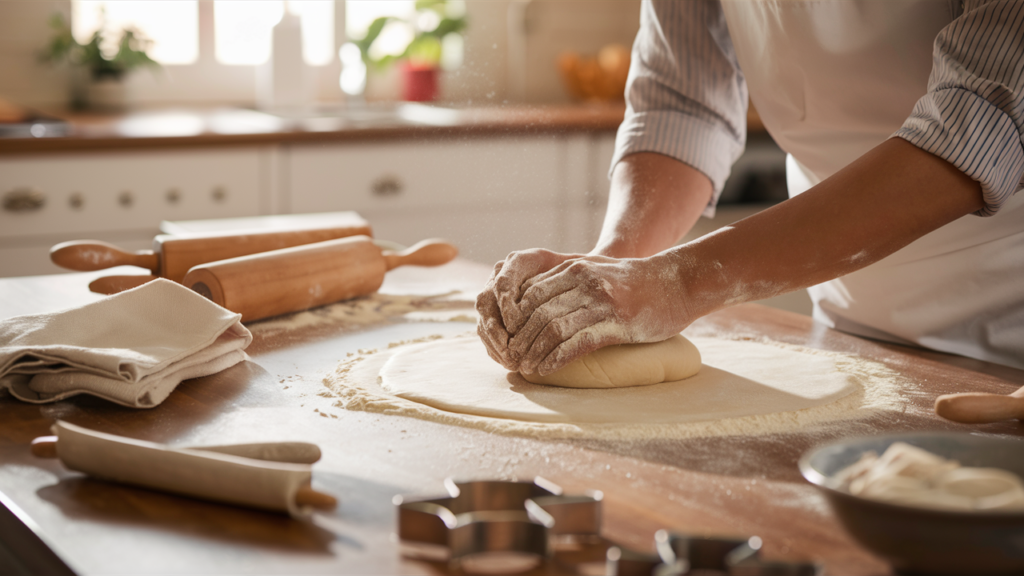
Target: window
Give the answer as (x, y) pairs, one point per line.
(215, 67)
(242, 28)
(172, 25)
(317, 30)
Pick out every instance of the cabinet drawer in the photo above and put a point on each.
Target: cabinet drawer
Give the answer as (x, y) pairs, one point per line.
(505, 172)
(481, 234)
(86, 193)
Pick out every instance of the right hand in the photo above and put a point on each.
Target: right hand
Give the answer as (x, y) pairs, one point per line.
(497, 305)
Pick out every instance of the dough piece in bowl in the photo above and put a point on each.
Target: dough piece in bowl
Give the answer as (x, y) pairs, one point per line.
(627, 365)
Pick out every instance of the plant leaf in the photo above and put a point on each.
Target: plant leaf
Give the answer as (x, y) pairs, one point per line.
(448, 26)
(372, 32)
(435, 5)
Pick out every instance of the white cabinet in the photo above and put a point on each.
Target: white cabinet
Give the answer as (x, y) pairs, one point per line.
(120, 197)
(589, 159)
(489, 196)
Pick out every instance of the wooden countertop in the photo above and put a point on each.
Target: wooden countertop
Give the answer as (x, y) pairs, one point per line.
(172, 128)
(741, 485)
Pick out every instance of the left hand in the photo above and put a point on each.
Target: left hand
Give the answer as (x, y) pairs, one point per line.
(595, 301)
(496, 304)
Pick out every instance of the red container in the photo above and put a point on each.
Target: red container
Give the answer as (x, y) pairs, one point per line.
(419, 84)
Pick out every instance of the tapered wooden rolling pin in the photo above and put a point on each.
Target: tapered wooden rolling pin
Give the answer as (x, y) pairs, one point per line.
(293, 279)
(173, 256)
(980, 408)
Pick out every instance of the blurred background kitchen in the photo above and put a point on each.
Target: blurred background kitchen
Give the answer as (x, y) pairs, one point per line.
(490, 123)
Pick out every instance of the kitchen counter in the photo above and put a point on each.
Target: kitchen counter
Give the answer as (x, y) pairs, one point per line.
(740, 485)
(176, 128)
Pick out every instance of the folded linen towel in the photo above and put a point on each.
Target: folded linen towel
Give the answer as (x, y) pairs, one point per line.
(132, 348)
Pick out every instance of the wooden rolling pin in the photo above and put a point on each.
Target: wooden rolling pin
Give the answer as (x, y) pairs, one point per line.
(173, 256)
(241, 475)
(980, 408)
(293, 279)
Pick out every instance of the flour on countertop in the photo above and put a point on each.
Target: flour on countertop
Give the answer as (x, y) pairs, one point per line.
(357, 386)
(375, 308)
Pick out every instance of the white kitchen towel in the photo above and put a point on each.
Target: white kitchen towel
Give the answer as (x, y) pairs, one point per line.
(132, 348)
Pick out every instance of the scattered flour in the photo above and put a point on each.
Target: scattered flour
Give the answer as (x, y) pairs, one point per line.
(356, 384)
(456, 315)
(374, 308)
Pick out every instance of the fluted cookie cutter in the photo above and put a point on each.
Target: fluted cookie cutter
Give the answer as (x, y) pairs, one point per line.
(510, 522)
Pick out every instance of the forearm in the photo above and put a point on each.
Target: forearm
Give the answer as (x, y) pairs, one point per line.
(654, 200)
(888, 198)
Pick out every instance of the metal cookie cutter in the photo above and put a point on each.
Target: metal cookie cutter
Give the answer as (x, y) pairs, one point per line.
(507, 527)
(681, 554)
(511, 526)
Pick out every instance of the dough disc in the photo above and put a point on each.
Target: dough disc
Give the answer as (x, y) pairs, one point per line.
(627, 365)
(739, 378)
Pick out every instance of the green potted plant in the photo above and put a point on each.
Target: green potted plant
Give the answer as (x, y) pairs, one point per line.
(420, 62)
(104, 66)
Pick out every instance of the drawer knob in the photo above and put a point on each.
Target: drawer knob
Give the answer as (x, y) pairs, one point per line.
(173, 196)
(386, 186)
(76, 200)
(24, 200)
(219, 194)
(126, 199)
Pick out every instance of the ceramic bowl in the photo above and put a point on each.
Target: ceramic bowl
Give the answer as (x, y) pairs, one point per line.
(926, 541)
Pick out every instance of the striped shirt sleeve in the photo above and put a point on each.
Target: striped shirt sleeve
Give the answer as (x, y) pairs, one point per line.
(685, 97)
(973, 113)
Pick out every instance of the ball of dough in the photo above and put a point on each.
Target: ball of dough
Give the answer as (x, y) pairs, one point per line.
(627, 365)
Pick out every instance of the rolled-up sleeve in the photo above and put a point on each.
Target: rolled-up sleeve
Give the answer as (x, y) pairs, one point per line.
(973, 113)
(686, 97)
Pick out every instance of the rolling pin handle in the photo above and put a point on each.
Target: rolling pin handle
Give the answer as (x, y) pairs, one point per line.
(114, 284)
(45, 447)
(432, 252)
(980, 408)
(307, 496)
(90, 255)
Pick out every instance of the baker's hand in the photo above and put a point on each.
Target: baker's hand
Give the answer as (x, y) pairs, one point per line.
(498, 303)
(591, 302)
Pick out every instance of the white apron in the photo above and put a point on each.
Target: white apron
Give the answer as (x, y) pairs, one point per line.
(832, 80)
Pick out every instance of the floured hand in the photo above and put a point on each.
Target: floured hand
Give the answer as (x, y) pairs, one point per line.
(497, 304)
(591, 302)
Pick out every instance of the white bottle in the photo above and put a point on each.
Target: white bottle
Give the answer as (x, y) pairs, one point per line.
(284, 81)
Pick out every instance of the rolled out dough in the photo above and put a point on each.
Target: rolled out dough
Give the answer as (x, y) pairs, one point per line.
(739, 378)
(627, 365)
